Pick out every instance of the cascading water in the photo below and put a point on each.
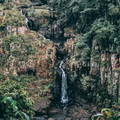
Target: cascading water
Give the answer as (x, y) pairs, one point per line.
(26, 20)
(64, 96)
(41, 36)
(29, 24)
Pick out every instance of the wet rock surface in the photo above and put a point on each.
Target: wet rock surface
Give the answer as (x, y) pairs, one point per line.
(80, 110)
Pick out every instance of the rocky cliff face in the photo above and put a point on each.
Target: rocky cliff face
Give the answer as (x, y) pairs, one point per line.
(97, 78)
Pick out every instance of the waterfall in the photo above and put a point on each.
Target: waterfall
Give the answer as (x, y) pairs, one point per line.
(29, 24)
(42, 36)
(64, 96)
(21, 11)
(26, 20)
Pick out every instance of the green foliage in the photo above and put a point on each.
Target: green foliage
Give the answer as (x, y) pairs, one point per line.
(39, 16)
(119, 100)
(14, 19)
(113, 9)
(38, 13)
(13, 99)
(11, 19)
(85, 83)
(103, 33)
(82, 48)
(2, 24)
(46, 87)
(8, 4)
(18, 46)
(73, 77)
(75, 13)
(99, 21)
(26, 3)
(106, 114)
(32, 13)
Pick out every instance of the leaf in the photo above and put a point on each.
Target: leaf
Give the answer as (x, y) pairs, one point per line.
(26, 116)
(106, 111)
(119, 101)
(9, 99)
(15, 108)
(14, 103)
(7, 110)
(116, 118)
(4, 99)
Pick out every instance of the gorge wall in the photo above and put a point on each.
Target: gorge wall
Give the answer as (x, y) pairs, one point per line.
(97, 79)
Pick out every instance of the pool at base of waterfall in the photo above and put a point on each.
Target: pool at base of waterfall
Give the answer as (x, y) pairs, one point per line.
(58, 116)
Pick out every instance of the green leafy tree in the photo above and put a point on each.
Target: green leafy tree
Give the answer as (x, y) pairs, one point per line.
(14, 101)
(14, 19)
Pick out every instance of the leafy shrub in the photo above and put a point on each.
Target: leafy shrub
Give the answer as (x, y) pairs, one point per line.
(14, 102)
(106, 114)
(103, 32)
(85, 82)
(40, 17)
(113, 10)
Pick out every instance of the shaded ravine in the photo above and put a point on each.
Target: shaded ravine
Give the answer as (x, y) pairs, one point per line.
(79, 110)
(62, 108)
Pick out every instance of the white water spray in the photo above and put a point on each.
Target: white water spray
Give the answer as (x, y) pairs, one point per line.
(42, 36)
(64, 96)
(26, 20)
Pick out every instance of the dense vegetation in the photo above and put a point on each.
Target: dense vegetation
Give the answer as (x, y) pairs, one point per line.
(23, 78)
(14, 98)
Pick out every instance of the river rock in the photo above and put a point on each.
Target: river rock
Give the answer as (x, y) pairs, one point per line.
(68, 119)
(54, 110)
